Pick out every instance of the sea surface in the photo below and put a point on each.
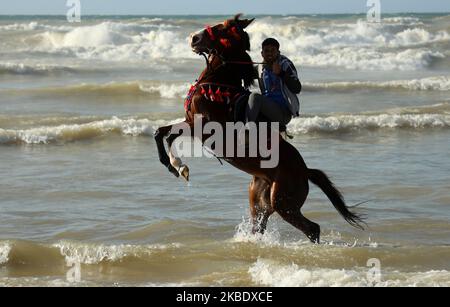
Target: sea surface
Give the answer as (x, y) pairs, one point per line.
(81, 185)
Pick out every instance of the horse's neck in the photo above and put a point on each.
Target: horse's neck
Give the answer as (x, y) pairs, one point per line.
(225, 76)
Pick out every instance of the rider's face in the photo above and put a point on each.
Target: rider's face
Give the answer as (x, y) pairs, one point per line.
(270, 53)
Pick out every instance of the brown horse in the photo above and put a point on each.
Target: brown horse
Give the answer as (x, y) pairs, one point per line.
(282, 189)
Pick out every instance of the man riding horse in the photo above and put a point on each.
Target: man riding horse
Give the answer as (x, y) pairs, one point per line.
(228, 73)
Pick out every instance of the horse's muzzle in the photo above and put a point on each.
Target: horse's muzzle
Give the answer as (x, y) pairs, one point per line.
(197, 42)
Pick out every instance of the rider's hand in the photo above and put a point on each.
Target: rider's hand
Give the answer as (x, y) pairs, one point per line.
(276, 68)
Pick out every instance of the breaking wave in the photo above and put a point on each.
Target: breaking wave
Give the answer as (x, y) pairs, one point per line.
(347, 123)
(360, 45)
(83, 253)
(397, 43)
(5, 249)
(77, 132)
(154, 88)
(315, 268)
(38, 69)
(179, 89)
(271, 273)
(441, 83)
(419, 118)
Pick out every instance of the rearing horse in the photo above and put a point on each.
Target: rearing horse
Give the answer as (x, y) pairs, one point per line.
(229, 72)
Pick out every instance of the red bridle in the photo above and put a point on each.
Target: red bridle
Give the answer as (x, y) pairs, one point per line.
(210, 32)
(227, 44)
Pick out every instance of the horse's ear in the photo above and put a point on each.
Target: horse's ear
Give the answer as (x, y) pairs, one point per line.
(237, 16)
(244, 23)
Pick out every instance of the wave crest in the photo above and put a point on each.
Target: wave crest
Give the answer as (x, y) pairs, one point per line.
(397, 43)
(271, 273)
(70, 133)
(440, 83)
(347, 123)
(418, 118)
(37, 69)
(5, 249)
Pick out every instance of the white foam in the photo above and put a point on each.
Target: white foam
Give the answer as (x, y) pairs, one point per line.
(359, 45)
(95, 254)
(58, 282)
(118, 42)
(417, 36)
(64, 133)
(161, 89)
(21, 68)
(402, 20)
(89, 36)
(439, 83)
(368, 58)
(5, 249)
(167, 90)
(343, 123)
(271, 273)
(401, 43)
(302, 125)
(244, 234)
(33, 26)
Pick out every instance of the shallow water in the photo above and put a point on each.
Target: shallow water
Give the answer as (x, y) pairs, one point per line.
(82, 182)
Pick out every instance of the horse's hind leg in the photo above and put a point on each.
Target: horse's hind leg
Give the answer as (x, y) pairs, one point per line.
(309, 228)
(288, 205)
(260, 208)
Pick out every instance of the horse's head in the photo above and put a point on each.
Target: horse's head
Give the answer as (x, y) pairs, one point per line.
(225, 38)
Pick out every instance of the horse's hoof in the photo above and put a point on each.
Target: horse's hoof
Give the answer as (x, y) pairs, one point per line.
(314, 236)
(184, 172)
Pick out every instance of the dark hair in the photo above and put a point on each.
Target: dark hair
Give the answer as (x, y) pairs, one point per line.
(271, 42)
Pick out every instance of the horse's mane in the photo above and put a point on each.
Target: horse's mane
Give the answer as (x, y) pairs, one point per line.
(248, 71)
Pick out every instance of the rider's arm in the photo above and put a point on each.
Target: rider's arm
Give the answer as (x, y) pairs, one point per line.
(291, 80)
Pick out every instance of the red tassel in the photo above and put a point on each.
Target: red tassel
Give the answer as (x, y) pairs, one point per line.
(219, 95)
(211, 94)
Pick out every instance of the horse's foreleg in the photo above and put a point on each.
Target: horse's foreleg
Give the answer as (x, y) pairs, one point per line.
(163, 157)
(175, 161)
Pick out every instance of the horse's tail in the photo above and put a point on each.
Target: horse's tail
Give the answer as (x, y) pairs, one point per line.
(320, 179)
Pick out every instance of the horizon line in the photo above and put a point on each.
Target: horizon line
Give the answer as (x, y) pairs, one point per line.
(249, 14)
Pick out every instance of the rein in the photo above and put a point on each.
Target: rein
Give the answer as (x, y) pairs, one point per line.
(223, 90)
(210, 71)
(243, 63)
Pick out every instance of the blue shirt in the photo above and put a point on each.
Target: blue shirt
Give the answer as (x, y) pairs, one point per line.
(272, 84)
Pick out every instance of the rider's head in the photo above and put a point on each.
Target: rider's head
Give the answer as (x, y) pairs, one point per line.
(270, 50)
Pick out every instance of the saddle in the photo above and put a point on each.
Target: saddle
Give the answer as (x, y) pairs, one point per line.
(238, 102)
(240, 110)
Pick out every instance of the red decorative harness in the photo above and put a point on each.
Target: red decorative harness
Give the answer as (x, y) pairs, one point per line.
(214, 92)
(217, 92)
